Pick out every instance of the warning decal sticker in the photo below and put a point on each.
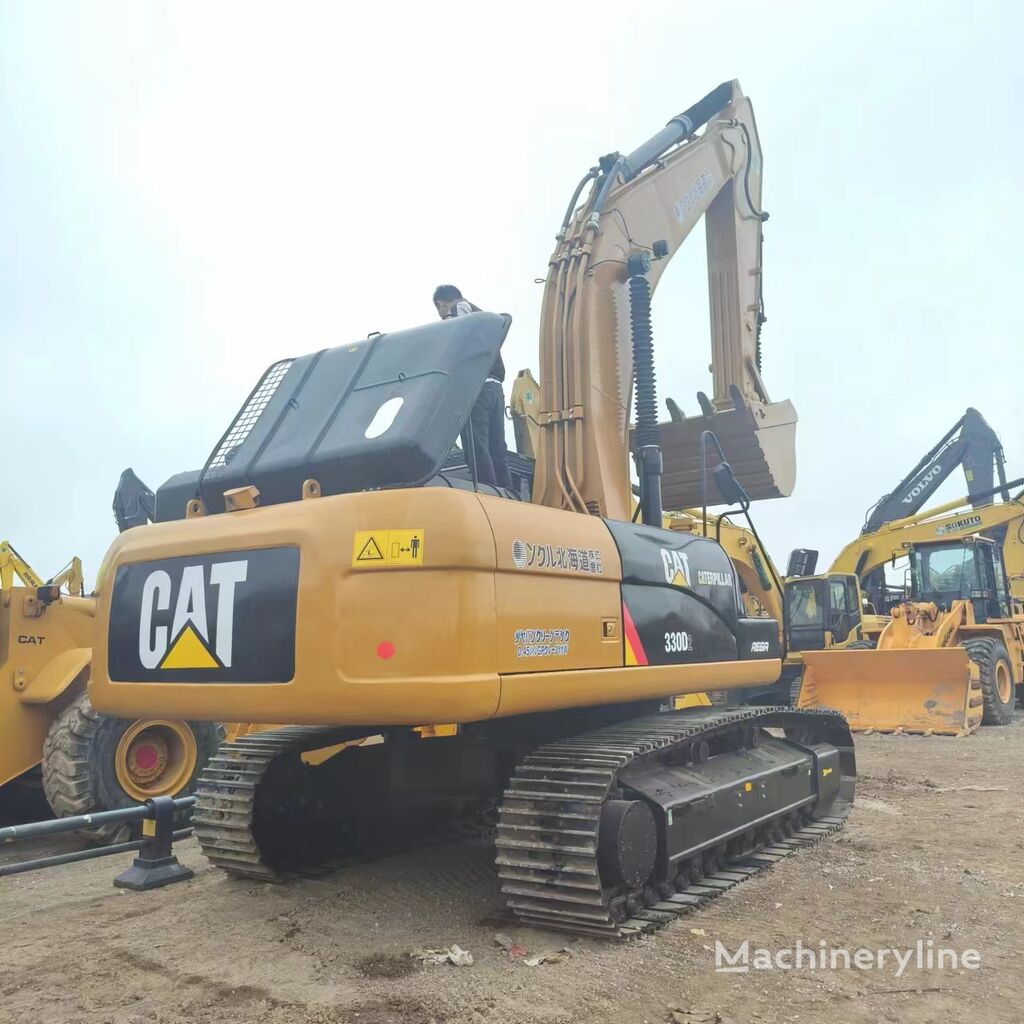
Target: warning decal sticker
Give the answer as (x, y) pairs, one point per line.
(372, 549)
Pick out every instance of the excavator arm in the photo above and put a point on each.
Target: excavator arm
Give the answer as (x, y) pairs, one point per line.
(639, 210)
(970, 443)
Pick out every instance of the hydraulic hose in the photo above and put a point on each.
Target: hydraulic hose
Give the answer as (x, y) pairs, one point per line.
(648, 434)
(762, 573)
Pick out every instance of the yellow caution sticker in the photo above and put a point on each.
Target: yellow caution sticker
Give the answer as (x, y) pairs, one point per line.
(748, 787)
(825, 772)
(374, 548)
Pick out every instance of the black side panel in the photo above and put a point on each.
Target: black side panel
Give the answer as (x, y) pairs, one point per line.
(674, 628)
(681, 600)
(383, 412)
(173, 496)
(758, 638)
(667, 558)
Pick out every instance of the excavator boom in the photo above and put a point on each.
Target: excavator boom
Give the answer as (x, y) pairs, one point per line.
(639, 210)
(970, 443)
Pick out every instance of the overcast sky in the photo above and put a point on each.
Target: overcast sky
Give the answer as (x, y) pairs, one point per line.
(191, 191)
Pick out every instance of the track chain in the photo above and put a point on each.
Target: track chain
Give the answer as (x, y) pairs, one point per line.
(547, 842)
(224, 815)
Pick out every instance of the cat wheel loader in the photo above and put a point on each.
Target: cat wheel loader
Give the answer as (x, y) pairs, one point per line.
(324, 569)
(56, 752)
(948, 661)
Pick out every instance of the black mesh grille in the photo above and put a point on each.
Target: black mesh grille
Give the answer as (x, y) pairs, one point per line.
(246, 419)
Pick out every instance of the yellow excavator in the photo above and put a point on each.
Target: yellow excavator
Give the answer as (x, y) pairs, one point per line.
(323, 569)
(55, 749)
(1000, 521)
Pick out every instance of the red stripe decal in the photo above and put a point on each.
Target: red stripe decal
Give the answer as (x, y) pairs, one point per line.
(632, 636)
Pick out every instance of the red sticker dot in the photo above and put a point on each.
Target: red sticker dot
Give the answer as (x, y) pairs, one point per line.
(386, 650)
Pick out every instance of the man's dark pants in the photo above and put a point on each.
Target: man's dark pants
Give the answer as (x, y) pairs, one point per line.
(488, 422)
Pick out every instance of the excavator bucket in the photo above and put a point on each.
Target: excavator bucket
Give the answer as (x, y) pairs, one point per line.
(759, 443)
(923, 691)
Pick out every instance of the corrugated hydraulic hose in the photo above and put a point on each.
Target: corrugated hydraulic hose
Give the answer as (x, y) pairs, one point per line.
(648, 436)
(647, 432)
(762, 574)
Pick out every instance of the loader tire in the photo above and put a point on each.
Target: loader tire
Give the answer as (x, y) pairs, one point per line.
(81, 774)
(997, 685)
(862, 645)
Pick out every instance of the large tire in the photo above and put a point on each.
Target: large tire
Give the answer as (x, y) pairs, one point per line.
(996, 672)
(79, 764)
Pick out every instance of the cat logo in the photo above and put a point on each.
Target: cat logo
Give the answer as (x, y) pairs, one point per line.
(186, 643)
(213, 618)
(677, 568)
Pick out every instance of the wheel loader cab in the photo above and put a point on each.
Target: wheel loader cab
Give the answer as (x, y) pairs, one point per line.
(969, 569)
(822, 612)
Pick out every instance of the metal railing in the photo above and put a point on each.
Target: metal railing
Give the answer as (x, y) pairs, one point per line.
(155, 864)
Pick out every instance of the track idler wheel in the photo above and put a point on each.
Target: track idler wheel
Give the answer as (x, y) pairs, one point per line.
(627, 843)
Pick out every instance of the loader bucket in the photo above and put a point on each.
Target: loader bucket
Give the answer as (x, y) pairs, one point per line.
(759, 443)
(931, 690)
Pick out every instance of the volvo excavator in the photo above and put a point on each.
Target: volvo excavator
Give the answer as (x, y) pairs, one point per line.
(970, 444)
(322, 569)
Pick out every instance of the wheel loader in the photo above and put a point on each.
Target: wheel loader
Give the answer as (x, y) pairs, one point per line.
(324, 569)
(948, 661)
(56, 752)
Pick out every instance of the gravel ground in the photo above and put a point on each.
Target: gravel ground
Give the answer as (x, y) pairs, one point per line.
(931, 852)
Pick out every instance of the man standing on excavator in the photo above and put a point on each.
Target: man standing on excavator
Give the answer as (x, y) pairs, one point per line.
(484, 433)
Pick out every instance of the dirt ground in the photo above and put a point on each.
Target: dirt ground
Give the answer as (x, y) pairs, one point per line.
(924, 856)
